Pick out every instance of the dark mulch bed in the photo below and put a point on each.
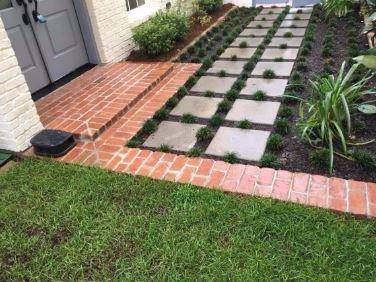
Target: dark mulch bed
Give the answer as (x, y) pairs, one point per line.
(295, 154)
(195, 30)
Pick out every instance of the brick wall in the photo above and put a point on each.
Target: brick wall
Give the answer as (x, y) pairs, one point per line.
(19, 120)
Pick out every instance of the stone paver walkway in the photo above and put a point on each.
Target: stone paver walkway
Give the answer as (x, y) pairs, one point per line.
(108, 150)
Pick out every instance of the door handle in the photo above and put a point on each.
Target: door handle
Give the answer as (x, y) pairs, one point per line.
(37, 17)
(25, 16)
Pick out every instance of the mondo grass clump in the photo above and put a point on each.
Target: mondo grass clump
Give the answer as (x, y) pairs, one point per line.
(134, 143)
(231, 157)
(364, 159)
(150, 126)
(161, 114)
(275, 142)
(224, 106)
(320, 158)
(270, 160)
(165, 148)
(269, 73)
(204, 134)
(194, 152)
(282, 126)
(216, 120)
(259, 95)
(188, 118)
(245, 124)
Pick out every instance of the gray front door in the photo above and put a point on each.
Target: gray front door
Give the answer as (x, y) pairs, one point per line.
(24, 45)
(58, 40)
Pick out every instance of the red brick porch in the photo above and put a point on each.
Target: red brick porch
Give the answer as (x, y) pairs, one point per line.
(130, 93)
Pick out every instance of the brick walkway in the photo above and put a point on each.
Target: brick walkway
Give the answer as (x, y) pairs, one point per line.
(108, 151)
(88, 105)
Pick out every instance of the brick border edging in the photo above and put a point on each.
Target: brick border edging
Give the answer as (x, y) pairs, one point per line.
(356, 197)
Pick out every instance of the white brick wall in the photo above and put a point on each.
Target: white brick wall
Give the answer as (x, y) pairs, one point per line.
(112, 25)
(19, 120)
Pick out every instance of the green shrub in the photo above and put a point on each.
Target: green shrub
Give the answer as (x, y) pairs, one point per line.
(209, 6)
(290, 98)
(283, 46)
(191, 50)
(275, 142)
(209, 94)
(301, 66)
(160, 33)
(365, 159)
(327, 113)
(288, 34)
(231, 157)
(165, 148)
(224, 105)
(191, 81)
(245, 124)
(232, 94)
(188, 118)
(278, 59)
(285, 112)
(320, 158)
(243, 44)
(217, 38)
(161, 114)
(207, 63)
(282, 126)
(216, 120)
(149, 126)
(259, 95)
(270, 160)
(194, 152)
(204, 133)
(269, 73)
(222, 73)
(172, 102)
(134, 143)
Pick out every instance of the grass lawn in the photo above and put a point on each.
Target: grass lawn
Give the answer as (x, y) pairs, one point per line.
(68, 222)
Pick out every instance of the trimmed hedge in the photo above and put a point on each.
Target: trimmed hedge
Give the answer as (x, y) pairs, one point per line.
(160, 33)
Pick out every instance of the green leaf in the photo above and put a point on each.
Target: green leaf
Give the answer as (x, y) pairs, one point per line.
(368, 61)
(367, 109)
(371, 51)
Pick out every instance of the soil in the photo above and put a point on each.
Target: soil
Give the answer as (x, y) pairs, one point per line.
(195, 30)
(295, 154)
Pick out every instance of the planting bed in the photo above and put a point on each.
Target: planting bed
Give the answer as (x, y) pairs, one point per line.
(233, 108)
(194, 31)
(295, 154)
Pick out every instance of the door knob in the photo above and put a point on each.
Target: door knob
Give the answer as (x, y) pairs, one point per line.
(37, 17)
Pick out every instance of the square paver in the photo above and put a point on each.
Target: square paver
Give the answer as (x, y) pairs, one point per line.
(279, 68)
(291, 42)
(287, 54)
(201, 107)
(304, 10)
(296, 23)
(266, 17)
(268, 11)
(272, 87)
(180, 136)
(215, 84)
(254, 32)
(251, 42)
(294, 31)
(263, 24)
(240, 53)
(231, 67)
(247, 144)
(261, 112)
(300, 16)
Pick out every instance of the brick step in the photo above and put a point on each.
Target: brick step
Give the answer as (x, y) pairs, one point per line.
(96, 100)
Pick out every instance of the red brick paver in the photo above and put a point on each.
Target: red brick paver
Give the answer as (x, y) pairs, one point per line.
(108, 152)
(91, 103)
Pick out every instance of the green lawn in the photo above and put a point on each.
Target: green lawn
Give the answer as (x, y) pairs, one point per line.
(68, 222)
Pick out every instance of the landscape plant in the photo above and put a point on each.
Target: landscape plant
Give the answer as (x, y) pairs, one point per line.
(325, 119)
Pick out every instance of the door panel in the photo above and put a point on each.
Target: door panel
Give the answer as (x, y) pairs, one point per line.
(60, 39)
(25, 47)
